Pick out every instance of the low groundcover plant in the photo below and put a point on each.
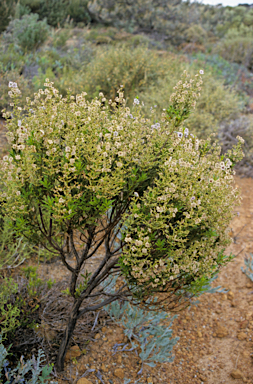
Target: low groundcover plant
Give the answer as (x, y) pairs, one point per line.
(155, 196)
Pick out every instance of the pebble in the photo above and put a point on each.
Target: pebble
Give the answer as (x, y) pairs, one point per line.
(119, 372)
(220, 331)
(83, 380)
(236, 374)
(230, 295)
(97, 336)
(73, 352)
(241, 336)
(248, 315)
(103, 367)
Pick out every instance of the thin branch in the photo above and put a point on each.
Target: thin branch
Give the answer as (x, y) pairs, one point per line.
(98, 306)
(95, 249)
(66, 264)
(73, 247)
(42, 221)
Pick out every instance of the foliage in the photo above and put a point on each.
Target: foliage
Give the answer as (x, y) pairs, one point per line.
(57, 12)
(136, 69)
(13, 249)
(238, 49)
(9, 312)
(76, 166)
(19, 301)
(216, 104)
(5, 78)
(60, 37)
(157, 15)
(7, 8)
(32, 368)
(230, 74)
(35, 284)
(155, 340)
(233, 18)
(196, 34)
(143, 326)
(28, 33)
(227, 132)
(248, 261)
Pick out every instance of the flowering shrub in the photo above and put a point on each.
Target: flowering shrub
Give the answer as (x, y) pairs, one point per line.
(158, 198)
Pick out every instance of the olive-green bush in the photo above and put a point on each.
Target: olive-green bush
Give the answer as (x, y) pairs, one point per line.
(237, 49)
(58, 12)
(7, 10)
(136, 69)
(216, 104)
(28, 33)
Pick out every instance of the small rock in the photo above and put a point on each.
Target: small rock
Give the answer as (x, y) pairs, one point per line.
(83, 380)
(73, 352)
(230, 295)
(149, 380)
(236, 374)
(248, 315)
(103, 367)
(119, 372)
(243, 324)
(220, 331)
(104, 329)
(249, 285)
(105, 338)
(97, 336)
(241, 336)
(119, 359)
(202, 378)
(199, 334)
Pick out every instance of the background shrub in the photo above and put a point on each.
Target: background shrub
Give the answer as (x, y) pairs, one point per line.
(238, 49)
(57, 12)
(28, 32)
(7, 10)
(216, 104)
(136, 69)
(227, 132)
